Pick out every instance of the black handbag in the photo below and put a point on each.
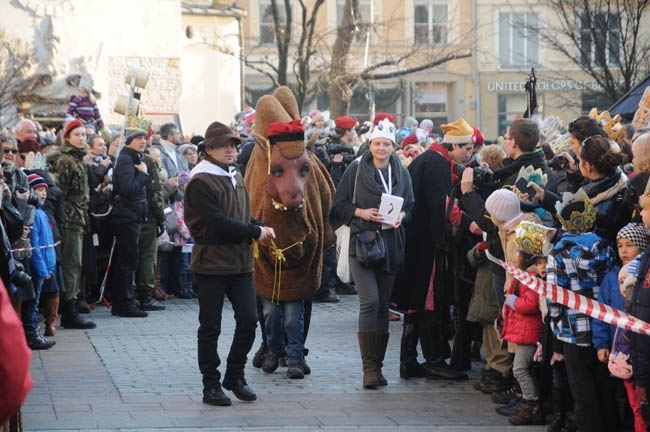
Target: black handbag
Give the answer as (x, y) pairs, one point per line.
(368, 248)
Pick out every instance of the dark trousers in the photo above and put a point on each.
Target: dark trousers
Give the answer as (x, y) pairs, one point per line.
(144, 276)
(124, 265)
(593, 395)
(241, 293)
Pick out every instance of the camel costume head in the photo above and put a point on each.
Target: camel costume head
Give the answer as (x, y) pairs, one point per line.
(290, 191)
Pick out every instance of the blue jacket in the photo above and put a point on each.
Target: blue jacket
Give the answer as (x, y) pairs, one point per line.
(43, 260)
(610, 294)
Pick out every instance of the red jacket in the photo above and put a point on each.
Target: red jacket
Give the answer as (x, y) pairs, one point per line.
(523, 324)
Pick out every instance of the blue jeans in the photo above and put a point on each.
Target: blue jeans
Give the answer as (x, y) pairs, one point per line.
(30, 307)
(285, 318)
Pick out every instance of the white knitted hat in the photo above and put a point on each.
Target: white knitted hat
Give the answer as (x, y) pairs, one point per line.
(384, 129)
(503, 205)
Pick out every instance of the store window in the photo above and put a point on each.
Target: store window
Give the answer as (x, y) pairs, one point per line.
(512, 107)
(365, 17)
(267, 27)
(518, 40)
(600, 38)
(430, 101)
(430, 22)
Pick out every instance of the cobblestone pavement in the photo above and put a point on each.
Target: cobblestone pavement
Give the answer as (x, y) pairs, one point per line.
(141, 375)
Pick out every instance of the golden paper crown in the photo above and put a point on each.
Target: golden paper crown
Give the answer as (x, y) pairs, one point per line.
(612, 126)
(135, 122)
(576, 212)
(533, 239)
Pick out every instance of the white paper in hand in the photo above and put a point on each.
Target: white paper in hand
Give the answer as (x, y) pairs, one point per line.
(390, 208)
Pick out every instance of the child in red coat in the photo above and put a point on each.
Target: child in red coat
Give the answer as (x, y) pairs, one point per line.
(522, 322)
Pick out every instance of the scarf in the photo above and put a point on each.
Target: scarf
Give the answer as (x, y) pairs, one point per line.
(212, 167)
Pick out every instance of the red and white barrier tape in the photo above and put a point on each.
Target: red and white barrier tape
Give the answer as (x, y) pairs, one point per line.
(37, 247)
(580, 303)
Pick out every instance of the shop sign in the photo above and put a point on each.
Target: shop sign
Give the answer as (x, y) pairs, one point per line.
(544, 85)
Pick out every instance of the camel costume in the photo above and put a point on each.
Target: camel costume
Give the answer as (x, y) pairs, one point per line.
(303, 231)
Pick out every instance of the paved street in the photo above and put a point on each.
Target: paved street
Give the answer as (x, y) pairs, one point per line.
(141, 375)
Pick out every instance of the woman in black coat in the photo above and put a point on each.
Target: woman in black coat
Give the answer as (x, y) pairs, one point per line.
(356, 204)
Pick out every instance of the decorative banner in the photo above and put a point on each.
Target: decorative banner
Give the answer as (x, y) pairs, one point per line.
(580, 303)
(37, 247)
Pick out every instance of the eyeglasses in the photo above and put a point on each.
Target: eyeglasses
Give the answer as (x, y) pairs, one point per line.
(10, 150)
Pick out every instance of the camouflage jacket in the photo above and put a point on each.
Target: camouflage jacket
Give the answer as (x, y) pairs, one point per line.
(72, 177)
(155, 198)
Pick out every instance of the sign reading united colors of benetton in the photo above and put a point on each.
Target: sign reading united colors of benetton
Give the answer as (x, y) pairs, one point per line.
(543, 85)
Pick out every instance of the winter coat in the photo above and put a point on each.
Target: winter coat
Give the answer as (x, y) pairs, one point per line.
(72, 177)
(607, 195)
(129, 189)
(217, 213)
(368, 195)
(522, 318)
(427, 233)
(43, 260)
(638, 304)
(508, 174)
(610, 294)
(578, 262)
(483, 306)
(507, 236)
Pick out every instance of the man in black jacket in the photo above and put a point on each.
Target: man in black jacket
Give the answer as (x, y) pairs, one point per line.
(130, 179)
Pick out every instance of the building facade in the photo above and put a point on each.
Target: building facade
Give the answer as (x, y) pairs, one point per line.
(486, 87)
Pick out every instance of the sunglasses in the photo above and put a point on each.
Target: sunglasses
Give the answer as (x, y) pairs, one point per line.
(10, 150)
(586, 140)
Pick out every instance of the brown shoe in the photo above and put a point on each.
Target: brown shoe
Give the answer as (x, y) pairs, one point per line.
(159, 294)
(393, 316)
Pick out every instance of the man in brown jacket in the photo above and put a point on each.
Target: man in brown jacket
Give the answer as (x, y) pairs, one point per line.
(217, 213)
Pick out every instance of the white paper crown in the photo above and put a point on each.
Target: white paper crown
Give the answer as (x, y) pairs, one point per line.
(384, 129)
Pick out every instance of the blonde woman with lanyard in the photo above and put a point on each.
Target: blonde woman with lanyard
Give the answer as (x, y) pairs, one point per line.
(356, 204)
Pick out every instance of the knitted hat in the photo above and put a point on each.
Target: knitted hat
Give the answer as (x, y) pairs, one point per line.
(218, 134)
(503, 205)
(411, 139)
(637, 233)
(185, 147)
(36, 181)
(576, 212)
(385, 129)
(74, 124)
(345, 122)
(426, 123)
(132, 134)
(458, 132)
(382, 115)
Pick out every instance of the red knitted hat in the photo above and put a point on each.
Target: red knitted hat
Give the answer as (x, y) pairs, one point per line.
(285, 131)
(478, 138)
(35, 181)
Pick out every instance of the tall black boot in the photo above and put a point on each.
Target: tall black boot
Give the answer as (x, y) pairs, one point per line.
(408, 356)
(71, 319)
(432, 341)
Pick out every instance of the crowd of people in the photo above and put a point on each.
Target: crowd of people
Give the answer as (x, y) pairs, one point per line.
(465, 206)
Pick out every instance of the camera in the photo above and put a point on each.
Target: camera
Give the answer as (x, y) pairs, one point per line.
(559, 162)
(482, 175)
(32, 199)
(99, 158)
(333, 146)
(20, 278)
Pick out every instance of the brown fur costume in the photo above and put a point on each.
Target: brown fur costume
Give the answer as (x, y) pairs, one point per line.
(301, 272)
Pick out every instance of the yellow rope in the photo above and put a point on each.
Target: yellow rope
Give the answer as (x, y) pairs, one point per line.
(268, 155)
(278, 254)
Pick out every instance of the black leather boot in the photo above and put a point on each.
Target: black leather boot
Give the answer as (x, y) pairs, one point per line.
(408, 355)
(147, 303)
(71, 319)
